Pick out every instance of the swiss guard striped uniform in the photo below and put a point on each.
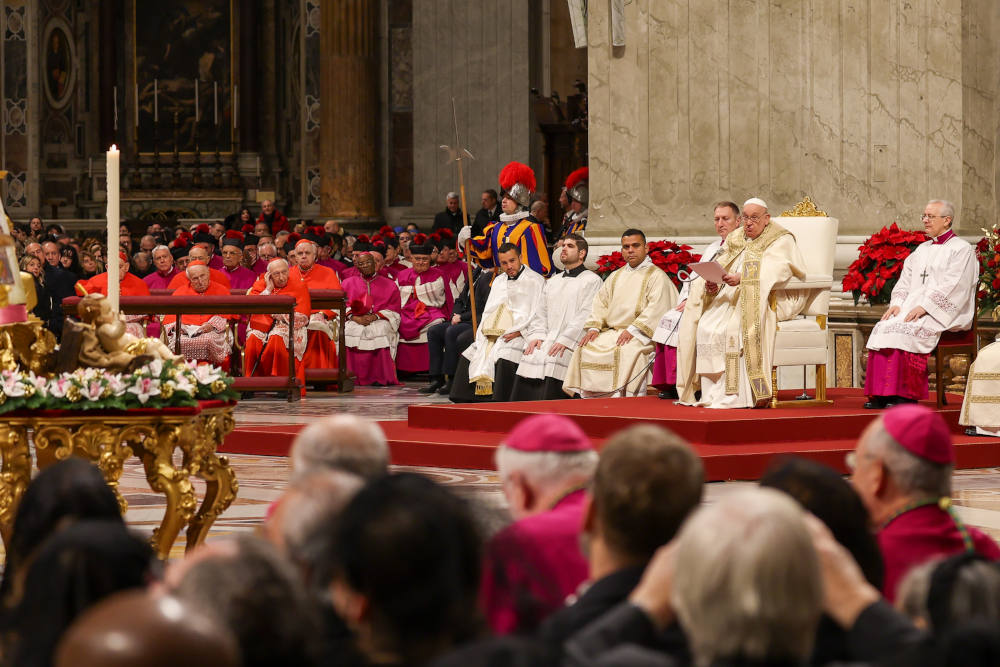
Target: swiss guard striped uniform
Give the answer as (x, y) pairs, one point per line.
(521, 229)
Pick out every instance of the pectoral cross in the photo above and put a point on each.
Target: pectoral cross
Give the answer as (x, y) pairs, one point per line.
(923, 277)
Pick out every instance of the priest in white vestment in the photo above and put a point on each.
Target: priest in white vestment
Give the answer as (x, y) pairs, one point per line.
(515, 297)
(557, 327)
(726, 218)
(727, 330)
(981, 404)
(936, 292)
(613, 357)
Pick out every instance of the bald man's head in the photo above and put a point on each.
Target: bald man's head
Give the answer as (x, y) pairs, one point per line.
(137, 629)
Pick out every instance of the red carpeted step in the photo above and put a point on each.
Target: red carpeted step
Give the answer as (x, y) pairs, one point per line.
(734, 444)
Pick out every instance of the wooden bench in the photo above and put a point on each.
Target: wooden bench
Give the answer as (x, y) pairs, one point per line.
(240, 304)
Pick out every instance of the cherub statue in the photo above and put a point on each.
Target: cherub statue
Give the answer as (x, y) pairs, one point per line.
(106, 344)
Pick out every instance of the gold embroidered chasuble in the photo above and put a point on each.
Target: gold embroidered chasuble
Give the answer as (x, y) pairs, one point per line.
(981, 404)
(738, 322)
(630, 299)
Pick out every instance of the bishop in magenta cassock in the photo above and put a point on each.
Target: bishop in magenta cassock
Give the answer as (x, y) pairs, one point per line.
(266, 352)
(130, 285)
(936, 292)
(239, 276)
(902, 469)
(372, 327)
(427, 300)
(163, 261)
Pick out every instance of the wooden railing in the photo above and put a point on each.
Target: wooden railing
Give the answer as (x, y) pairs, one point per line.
(163, 303)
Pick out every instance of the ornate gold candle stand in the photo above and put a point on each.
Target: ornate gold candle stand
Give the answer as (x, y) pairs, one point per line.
(108, 439)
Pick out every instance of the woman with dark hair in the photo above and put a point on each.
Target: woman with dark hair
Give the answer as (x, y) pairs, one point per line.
(827, 495)
(66, 491)
(89, 265)
(73, 570)
(70, 261)
(407, 551)
(42, 309)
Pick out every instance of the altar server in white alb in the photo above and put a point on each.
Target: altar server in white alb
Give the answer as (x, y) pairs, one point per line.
(727, 330)
(726, 217)
(557, 327)
(936, 292)
(515, 297)
(614, 355)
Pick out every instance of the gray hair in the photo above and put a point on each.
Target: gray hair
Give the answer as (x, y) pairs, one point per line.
(341, 442)
(945, 208)
(975, 593)
(452, 195)
(276, 263)
(545, 469)
(913, 475)
(159, 248)
(537, 206)
(265, 245)
(308, 511)
(750, 584)
(191, 267)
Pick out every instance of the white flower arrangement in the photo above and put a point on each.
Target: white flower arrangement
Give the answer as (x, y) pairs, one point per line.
(155, 385)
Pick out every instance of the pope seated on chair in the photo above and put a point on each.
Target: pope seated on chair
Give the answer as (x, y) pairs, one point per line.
(203, 337)
(936, 292)
(728, 330)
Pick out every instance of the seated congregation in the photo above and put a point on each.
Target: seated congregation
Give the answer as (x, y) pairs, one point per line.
(358, 565)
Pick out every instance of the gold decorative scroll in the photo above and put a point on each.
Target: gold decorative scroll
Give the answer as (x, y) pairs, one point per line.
(110, 440)
(804, 209)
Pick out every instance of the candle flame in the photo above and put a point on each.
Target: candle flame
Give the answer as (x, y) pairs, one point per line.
(114, 147)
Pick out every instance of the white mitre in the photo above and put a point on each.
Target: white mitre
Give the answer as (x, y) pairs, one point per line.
(755, 201)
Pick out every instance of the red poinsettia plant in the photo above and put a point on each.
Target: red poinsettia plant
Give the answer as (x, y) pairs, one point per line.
(670, 257)
(879, 264)
(988, 294)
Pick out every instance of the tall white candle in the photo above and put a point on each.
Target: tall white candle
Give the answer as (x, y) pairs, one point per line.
(115, 94)
(196, 100)
(114, 224)
(17, 294)
(235, 103)
(215, 101)
(156, 101)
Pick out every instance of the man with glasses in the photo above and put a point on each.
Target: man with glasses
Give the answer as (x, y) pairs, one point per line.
(936, 292)
(727, 331)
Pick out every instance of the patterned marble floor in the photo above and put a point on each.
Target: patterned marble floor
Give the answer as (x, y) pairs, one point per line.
(261, 478)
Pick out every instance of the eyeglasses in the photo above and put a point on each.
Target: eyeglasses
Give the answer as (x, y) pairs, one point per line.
(925, 216)
(753, 218)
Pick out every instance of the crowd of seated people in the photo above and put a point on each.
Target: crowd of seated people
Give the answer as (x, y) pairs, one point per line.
(610, 558)
(390, 304)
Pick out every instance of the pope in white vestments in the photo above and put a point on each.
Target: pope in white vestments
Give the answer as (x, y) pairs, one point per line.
(514, 299)
(936, 292)
(667, 334)
(557, 327)
(981, 403)
(727, 331)
(613, 357)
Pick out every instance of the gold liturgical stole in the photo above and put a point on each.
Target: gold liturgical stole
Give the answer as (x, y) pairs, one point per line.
(750, 311)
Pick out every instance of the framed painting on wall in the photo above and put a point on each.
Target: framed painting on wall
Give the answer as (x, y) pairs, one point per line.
(183, 60)
(59, 60)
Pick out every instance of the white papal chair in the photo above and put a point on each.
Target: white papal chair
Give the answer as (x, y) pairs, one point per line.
(802, 341)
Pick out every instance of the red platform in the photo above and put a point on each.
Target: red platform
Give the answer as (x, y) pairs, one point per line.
(734, 444)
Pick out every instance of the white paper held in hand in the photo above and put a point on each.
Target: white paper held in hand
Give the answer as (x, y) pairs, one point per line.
(710, 271)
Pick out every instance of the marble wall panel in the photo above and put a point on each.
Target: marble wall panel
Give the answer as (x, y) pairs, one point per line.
(870, 107)
(474, 51)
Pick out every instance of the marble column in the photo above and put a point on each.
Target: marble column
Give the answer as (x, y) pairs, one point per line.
(349, 108)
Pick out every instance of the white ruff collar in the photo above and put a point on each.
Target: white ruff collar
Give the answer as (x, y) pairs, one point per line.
(514, 217)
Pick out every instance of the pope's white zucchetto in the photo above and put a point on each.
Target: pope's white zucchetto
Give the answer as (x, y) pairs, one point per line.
(755, 201)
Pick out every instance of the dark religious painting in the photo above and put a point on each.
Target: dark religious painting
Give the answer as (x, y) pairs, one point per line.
(59, 60)
(183, 57)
